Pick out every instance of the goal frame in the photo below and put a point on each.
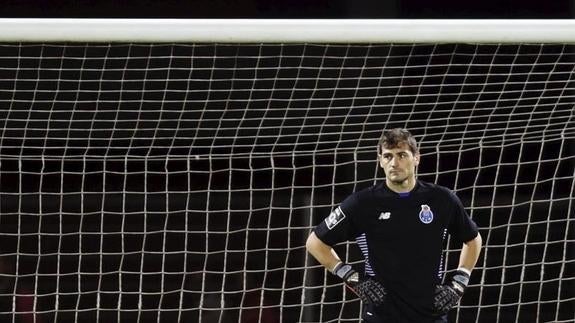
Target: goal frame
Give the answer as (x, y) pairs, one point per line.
(288, 30)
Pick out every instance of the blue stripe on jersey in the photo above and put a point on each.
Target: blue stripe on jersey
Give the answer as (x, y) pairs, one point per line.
(362, 243)
(441, 270)
(404, 194)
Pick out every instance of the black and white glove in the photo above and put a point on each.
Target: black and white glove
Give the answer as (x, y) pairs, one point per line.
(369, 290)
(449, 294)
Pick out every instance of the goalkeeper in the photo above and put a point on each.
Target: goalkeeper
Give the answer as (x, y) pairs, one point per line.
(400, 226)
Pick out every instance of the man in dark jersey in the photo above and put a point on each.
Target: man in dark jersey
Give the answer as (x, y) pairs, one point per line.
(400, 226)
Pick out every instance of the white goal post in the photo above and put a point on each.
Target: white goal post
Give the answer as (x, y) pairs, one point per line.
(170, 170)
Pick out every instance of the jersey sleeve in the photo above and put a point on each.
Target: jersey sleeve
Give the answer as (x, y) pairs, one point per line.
(340, 225)
(461, 226)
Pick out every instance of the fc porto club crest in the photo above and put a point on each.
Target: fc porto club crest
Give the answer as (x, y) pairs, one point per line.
(425, 215)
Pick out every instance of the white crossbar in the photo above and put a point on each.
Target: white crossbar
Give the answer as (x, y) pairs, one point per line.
(287, 30)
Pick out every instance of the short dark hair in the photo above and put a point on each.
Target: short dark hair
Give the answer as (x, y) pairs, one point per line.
(394, 137)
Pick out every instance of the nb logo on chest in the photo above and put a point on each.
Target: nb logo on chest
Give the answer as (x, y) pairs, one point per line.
(384, 215)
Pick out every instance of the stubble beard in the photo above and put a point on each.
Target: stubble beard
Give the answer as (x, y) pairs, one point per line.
(402, 178)
(400, 182)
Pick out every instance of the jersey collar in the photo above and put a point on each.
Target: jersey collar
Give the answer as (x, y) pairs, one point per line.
(388, 192)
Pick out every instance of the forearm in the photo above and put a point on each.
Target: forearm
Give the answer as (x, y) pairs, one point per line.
(470, 253)
(323, 253)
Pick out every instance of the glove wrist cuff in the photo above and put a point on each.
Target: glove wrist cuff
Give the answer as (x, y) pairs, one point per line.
(460, 280)
(465, 270)
(336, 267)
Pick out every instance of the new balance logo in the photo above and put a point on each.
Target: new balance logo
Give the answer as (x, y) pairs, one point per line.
(384, 215)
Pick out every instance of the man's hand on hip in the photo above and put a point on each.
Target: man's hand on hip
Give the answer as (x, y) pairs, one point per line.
(449, 294)
(369, 290)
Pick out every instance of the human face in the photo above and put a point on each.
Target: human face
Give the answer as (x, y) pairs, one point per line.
(399, 165)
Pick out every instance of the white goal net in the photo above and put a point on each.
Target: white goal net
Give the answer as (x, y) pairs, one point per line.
(177, 182)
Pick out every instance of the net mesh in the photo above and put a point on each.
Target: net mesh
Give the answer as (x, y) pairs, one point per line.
(173, 182)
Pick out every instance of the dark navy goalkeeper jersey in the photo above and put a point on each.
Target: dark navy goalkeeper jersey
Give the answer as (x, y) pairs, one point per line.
(402, 237)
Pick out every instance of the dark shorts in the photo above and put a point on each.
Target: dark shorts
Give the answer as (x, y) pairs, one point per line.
(371, 315)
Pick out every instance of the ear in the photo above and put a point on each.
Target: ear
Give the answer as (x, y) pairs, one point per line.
(416, 159)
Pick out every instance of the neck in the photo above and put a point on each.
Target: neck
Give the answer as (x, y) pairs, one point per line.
(401, 187)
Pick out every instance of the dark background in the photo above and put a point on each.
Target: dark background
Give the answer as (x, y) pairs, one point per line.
(85, 222)
(289, 9)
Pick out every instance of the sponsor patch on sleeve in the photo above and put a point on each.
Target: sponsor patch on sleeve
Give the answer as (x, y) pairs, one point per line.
(334, 218)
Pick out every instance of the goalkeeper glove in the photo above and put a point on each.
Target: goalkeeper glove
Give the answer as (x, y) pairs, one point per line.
(449, 294)
(369, 290)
